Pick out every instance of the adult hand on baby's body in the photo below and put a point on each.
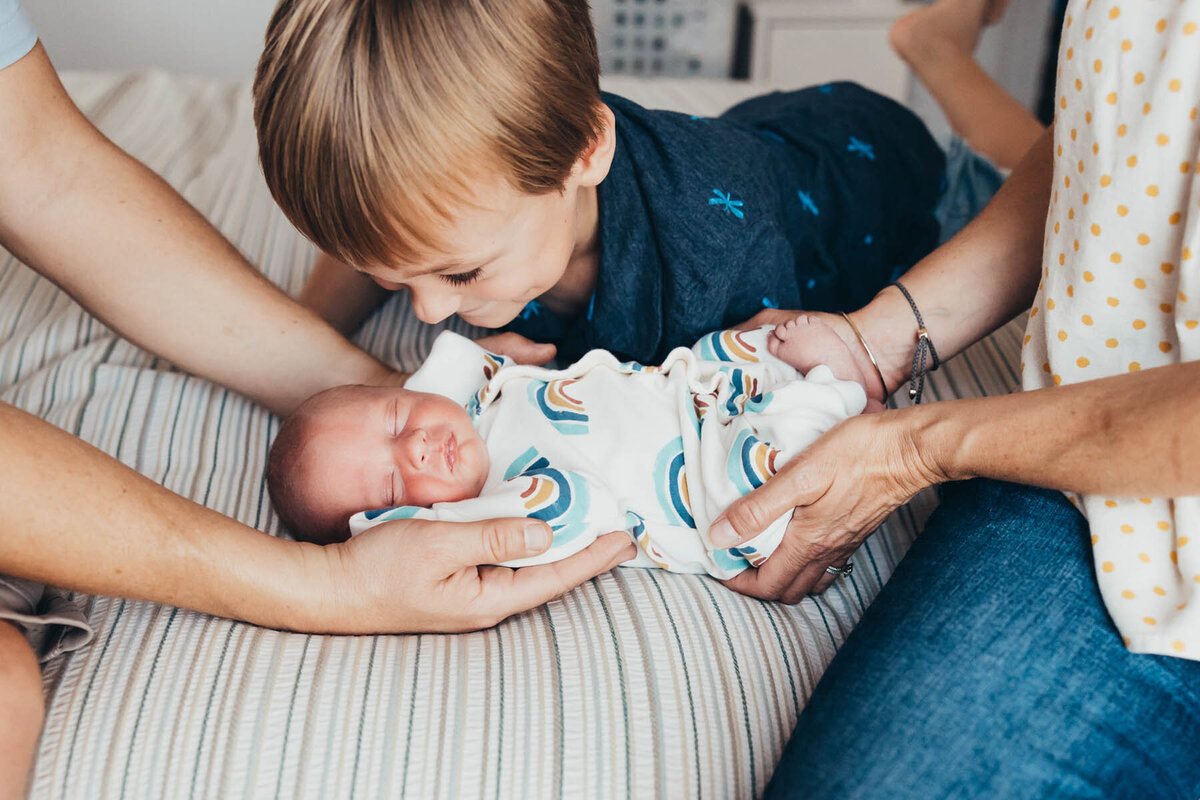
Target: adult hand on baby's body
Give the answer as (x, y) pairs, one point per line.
(413, 576)
(841, 489)
(518, 348)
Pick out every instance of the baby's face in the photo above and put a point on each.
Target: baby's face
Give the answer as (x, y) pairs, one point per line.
(371, 447)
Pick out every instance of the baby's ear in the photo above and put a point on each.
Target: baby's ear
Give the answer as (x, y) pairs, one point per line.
(593, 165)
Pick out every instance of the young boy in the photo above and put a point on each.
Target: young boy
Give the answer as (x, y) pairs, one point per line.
(464, 151)
(599, 446)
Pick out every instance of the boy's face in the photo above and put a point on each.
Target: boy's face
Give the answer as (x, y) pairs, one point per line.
(370, 447)
(512, 249)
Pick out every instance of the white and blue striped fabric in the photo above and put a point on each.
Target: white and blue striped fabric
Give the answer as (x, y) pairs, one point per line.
(639, 684)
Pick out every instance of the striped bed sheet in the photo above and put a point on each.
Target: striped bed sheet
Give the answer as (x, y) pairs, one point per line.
(638, 684)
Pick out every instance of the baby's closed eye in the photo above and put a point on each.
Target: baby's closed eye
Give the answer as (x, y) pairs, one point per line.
(395, 488)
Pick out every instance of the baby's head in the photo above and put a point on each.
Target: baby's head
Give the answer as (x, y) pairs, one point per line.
(438, 145)
(354, 448)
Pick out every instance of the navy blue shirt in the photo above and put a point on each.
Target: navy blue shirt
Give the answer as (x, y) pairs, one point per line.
(811, 200)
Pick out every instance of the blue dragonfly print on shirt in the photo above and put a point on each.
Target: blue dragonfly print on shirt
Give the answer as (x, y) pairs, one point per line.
(807, 201)
(862, 148)
(727, 203)
(531, 309)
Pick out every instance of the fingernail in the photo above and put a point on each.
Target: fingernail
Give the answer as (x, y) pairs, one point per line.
(722, 535)
(537, 537)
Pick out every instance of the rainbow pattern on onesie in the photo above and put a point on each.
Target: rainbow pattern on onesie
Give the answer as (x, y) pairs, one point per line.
(566, 413)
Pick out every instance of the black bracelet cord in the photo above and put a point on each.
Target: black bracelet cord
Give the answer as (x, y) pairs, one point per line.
(926, 353)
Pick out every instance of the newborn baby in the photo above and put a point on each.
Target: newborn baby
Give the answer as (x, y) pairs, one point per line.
(656, 451)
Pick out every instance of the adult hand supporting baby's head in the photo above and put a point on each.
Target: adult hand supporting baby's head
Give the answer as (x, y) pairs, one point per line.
(518, 348)
(839, 491)
(412, 576)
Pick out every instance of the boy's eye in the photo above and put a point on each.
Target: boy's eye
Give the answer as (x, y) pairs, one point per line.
(462, 278)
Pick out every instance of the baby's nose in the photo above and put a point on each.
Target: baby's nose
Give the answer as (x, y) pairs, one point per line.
(415, 448)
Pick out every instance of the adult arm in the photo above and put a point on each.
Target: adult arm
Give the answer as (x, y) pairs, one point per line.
(1129, 435)
(125, 245)
(967, 288)
(72, 516)
(132, 251)
(974, 283)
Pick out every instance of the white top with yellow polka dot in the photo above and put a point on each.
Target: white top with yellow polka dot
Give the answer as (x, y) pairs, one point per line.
(1121, 280)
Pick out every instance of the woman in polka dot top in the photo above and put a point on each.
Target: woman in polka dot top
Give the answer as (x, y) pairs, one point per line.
(1035, 641)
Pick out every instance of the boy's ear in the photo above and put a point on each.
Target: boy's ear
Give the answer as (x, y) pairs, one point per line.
(592, 166)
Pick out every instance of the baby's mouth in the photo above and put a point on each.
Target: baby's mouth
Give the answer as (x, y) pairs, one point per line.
(451, 452)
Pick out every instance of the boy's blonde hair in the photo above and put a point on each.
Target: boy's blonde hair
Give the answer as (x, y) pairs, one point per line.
(378, 119)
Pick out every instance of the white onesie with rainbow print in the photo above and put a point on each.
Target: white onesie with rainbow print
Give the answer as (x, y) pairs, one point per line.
(658, 452)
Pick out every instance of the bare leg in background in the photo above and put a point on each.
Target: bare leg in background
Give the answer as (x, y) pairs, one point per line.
(938, 42)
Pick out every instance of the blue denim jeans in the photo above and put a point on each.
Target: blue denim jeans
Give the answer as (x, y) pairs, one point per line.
(970, 183)
(988, 667)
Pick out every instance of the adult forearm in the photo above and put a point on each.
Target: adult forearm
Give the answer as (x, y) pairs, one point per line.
(178, 289)
(1129, 435)
(974, 283)
(72, 516)
(129, 248)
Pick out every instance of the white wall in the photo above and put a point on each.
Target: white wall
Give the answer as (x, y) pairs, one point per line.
(219, 38)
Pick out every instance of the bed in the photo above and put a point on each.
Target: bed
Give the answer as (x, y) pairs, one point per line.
(638, 684)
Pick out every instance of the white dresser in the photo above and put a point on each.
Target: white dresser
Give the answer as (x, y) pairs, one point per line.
(803, 42)
(796, 43)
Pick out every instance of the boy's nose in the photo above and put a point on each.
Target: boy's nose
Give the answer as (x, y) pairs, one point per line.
(432, 306)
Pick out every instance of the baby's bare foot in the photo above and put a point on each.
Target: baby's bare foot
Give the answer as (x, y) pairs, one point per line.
(954, 24)
(805, 342)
